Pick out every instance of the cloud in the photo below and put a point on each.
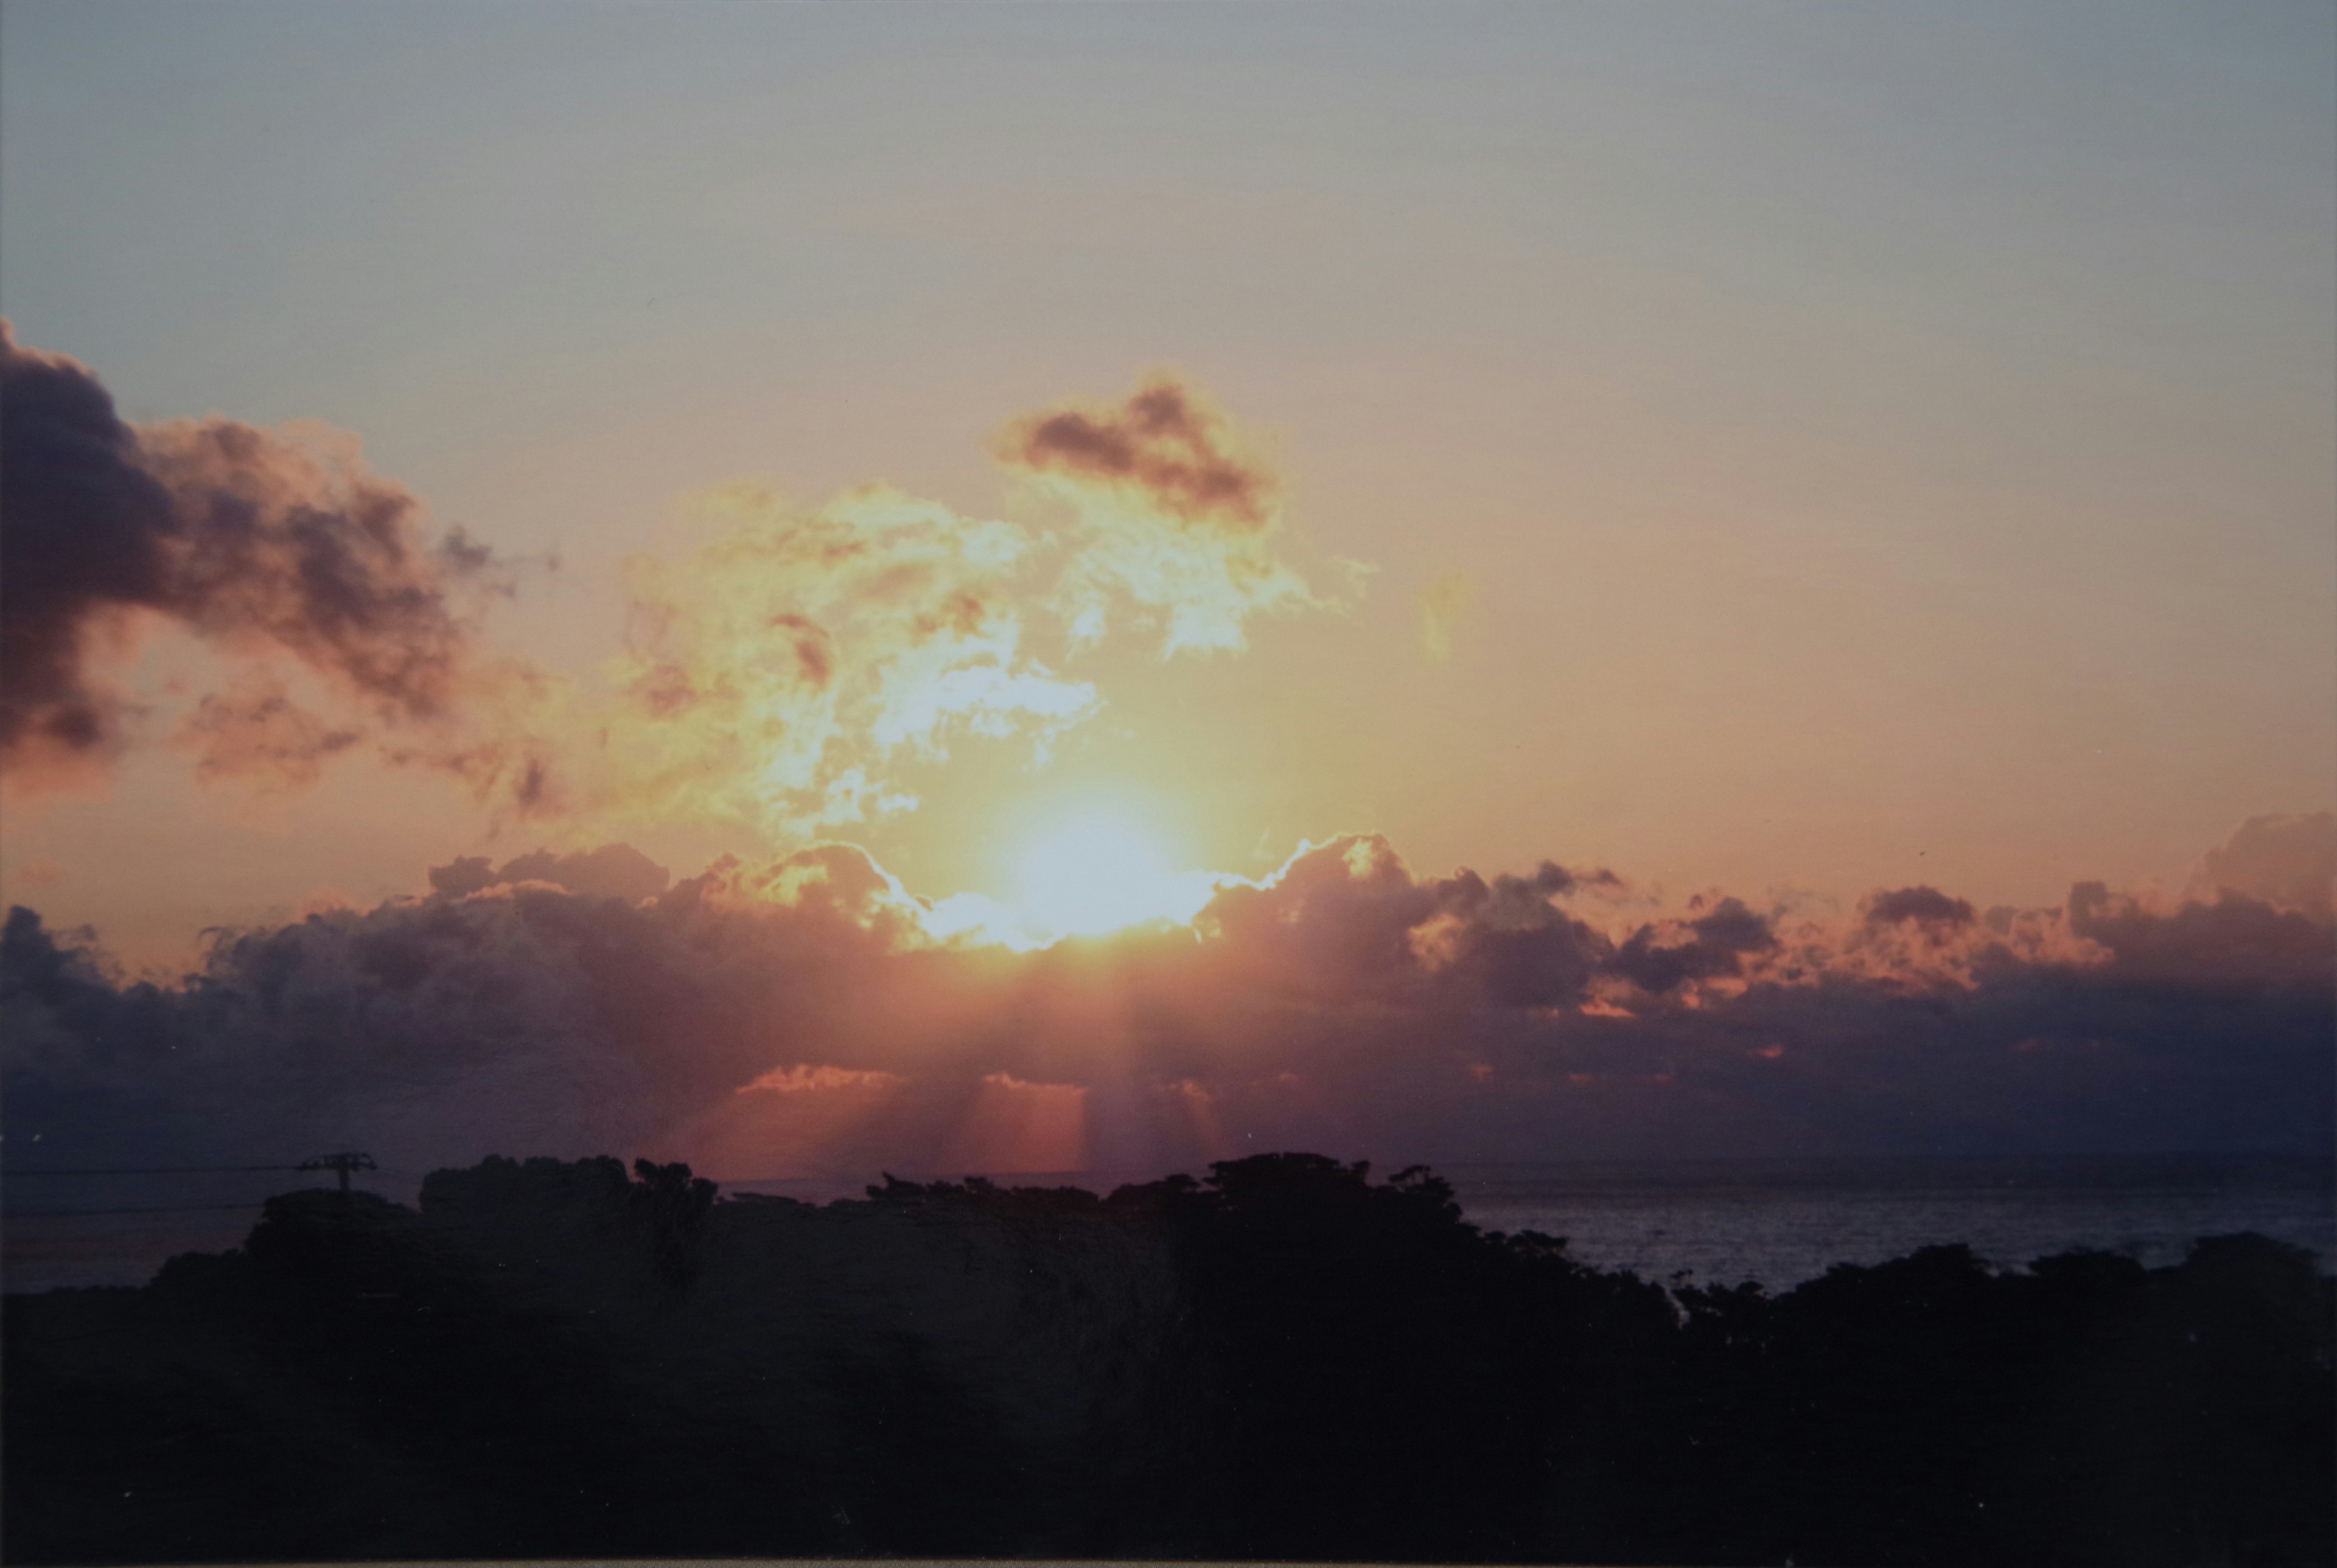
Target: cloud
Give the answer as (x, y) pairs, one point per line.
(1442, 603)
(807, 1007)
(805, 1013)
(780, 676)
(2287, 862)
(268, 546)
(800, 1080)
(1165, 449)
(1348, 920)
(2234, 942)
(1663, 957)
(523, 1016)
(1178, 517)
(777, 675)
(79, 530)
(610, 871)
(1927, 909)
(257, 731)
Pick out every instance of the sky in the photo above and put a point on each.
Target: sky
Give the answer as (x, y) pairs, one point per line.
(1076, 463)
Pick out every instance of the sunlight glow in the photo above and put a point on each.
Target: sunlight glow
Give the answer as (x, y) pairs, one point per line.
(1095, 873)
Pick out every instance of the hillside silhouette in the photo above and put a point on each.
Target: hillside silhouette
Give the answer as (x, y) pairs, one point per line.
(1284, 1360)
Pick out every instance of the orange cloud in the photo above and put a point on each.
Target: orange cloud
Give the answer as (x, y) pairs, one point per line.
(805, 1079)
(779, 675)
(1180, 523)
(775, 676)
(1442, 603)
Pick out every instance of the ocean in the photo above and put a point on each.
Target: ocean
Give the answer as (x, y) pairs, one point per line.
(1778, 1223)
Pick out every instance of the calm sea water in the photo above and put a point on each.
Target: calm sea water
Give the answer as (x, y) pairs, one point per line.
(1781, 1222)
(1777, 1221)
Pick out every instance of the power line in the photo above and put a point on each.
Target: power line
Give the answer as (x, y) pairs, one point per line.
(164, 1209)
(7, 1174)
(341, 1164)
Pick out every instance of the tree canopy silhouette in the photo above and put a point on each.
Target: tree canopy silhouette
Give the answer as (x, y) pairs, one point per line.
(1283, 1358)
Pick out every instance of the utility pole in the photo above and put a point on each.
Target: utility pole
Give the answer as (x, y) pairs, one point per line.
(340, 1164)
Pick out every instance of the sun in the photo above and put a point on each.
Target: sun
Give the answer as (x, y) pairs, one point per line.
(1097, 872)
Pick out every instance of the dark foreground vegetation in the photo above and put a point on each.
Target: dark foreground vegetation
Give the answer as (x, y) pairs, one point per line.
(1285, 1362)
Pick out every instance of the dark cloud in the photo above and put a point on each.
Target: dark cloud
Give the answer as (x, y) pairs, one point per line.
(611, 872)
(528, 1018)
(81, 529)
(792, 1015)
(2234, 942)
(1919, 906)
(1349, 920)
(1508, 941)
(2287, 862)
(1664, 956)
(261, 546)
(1164, 444)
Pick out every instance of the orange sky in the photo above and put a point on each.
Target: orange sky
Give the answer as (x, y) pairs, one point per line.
(1789, 460)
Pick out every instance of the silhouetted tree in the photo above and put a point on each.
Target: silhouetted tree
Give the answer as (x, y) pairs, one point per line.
(1285, 1358)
